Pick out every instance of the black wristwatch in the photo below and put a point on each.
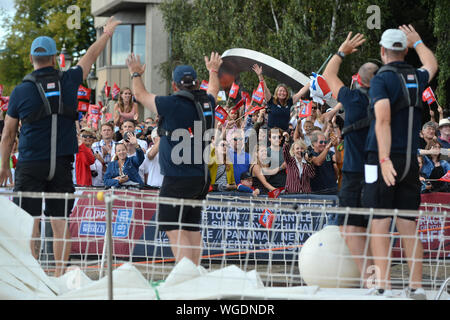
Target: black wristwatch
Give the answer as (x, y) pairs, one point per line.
(341, 54)
(135, 74)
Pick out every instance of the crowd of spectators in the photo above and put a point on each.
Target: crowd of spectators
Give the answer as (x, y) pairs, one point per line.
(291, 153)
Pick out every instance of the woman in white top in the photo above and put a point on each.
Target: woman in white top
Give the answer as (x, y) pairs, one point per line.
(152, 170)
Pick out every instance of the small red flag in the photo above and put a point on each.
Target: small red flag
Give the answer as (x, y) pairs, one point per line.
(234, 91)
(267, 218)
(428, 96)
(446, 177)
(107, 89)
(221, 114)
(204, 85)
(4, 102)
(83, 106)
(254, 109)
(237, 106)
(258, 94)
(83, 93)
(115, 91)
(275, 193)
(306, 109)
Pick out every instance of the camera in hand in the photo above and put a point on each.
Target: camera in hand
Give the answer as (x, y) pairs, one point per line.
(126, 136)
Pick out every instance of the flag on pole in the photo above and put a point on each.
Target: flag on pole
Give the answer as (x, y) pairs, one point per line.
(428, 96)
(115, 91)
(446, 177)
(258, 94)
(220, 114)
(83, 106)
(237, 106)
(254, 109)
(234, 91)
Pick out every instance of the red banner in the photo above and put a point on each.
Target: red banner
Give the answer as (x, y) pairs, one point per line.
(115, 91)
(266, 219)
(258, 94)
(237, 106)
(306, 109)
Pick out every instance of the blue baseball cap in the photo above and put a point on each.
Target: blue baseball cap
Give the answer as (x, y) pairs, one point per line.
(183, 71)
(45, 43)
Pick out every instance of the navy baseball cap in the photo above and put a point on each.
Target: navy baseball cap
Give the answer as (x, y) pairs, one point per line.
(183, 71)
(46, 43)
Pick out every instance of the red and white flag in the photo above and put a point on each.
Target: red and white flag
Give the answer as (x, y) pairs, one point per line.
(319, 89)
(115, 91)
(234, 91)
(204, 85)
(446, 177)
(4, 102)
(84, 93)
(258, 94)
(306, 109)
(428, 96)
(275, 193)
(83, 106)
(221, 114)
(238, 106)
(254, 109)
(107, 89)
(266, 219)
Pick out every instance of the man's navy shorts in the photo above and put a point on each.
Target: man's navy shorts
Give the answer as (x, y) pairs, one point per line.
(404, 195)
(350, 196)
(32, 177)
(168, 216)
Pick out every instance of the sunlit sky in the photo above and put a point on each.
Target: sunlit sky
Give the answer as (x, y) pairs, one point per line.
(8, 6)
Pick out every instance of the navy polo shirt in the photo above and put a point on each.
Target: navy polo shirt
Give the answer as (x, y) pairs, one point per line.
(325, 177)
(180, 158)
(279, 116)
(34, 139)
(387, 85)
(355, 105)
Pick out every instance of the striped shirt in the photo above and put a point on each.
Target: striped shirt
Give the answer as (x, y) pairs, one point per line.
(294, 182)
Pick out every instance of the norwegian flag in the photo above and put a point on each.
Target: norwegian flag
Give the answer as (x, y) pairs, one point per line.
(83, 94)
(115, 91)
(446, 177)
(258, 94)
(220, 114)
(306, 109)
(428, 96)
(266, 219)
(234, 91)
(319, 89)
(237, 106)
(107, 89)
(204, 85)
(275, 193)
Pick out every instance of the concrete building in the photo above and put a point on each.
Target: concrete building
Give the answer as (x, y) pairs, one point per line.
(142, 32)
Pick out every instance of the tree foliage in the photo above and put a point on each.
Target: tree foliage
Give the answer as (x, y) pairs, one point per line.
(301, 33)
(34, 18)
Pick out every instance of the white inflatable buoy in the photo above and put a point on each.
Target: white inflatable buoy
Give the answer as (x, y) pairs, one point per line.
(325, 261)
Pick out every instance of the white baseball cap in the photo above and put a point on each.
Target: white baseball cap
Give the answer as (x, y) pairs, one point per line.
(394, 36)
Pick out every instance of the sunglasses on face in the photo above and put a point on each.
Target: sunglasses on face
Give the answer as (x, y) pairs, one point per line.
(86, 136)
(323, 142)
(314, 108)
(237, 139)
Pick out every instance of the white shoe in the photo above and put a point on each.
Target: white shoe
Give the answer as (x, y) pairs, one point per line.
(416, 294)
